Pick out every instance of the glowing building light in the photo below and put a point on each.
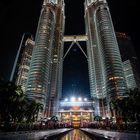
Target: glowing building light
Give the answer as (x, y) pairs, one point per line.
(73, 99)
(85, 99)
(66, 99)
(79, 99)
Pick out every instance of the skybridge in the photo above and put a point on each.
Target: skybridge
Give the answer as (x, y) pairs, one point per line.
(75, 39)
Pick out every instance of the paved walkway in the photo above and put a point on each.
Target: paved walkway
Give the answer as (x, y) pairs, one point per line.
(112, 135)
(31, 135)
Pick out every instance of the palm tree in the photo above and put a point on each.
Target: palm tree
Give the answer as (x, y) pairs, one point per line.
(98, 118)
(9, 94)
(134, 104)
(15, 106)
(32, 110)
(9, 101)
(128, 107)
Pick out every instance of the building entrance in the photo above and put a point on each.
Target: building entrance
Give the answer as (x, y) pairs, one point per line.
(76, 119)
(76, 113)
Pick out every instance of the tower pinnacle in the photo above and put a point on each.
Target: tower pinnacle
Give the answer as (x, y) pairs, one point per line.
(52, 1)
(88, 2)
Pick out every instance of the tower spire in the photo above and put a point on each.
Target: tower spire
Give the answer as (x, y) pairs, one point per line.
(88, 2)
(53, 1)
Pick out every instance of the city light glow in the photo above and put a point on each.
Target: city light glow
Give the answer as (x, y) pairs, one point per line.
(85, 99)
(79, 99)
(66, 99)
(73, 99)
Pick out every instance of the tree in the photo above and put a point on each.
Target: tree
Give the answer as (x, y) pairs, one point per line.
(32, 110)
(9, 98)
(128, 107)
(15, 107)
(98, 118)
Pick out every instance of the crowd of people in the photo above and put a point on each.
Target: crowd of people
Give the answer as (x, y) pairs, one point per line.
(105, 124)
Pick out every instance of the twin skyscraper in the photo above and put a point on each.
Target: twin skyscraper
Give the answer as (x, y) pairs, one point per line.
(106, 76)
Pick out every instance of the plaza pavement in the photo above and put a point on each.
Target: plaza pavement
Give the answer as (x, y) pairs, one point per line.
(112, 135)
(31, 135)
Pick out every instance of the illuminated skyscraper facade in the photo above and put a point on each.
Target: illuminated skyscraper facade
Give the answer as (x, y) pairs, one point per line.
(130, 74)
(130, 61)
(57, 61)
(106, 75)
(24, 65)
(105, 66)
(46, 62)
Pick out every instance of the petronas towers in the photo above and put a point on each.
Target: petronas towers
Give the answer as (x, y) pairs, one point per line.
(104, 62)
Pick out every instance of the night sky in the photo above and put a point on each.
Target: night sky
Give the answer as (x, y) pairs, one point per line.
(18, 17)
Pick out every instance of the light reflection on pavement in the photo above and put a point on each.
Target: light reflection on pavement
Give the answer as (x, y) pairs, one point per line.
(75, 134)
(27, 135)
(113, 135)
